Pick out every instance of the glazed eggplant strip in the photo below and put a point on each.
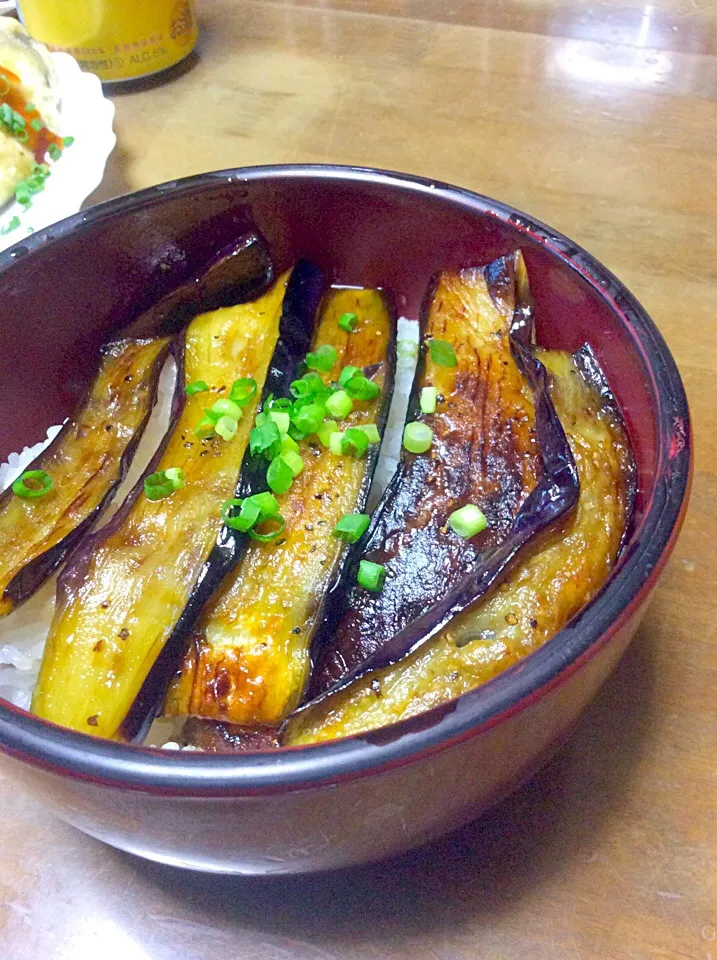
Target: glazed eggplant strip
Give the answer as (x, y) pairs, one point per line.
(120, 599)
(85, 462)
(248, 659)
(552, 580)
(483, 453)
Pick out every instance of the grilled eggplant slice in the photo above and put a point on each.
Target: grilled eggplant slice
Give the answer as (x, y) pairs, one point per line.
(484, 452)
(552, 580)
(127, 587)
(248, 659)
(86, 461)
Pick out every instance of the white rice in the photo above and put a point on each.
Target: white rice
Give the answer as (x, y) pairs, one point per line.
(23, 632)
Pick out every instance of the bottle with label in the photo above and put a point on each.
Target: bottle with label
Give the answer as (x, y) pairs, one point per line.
(115, 39)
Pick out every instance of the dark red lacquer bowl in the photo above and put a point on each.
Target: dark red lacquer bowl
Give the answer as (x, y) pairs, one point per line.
(65, 290)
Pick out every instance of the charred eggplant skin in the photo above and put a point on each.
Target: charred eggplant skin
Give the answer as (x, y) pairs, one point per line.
(296, 327)
(238, 273)
(554, 576)
(121, 598)
(248, 658)
(87, 461)
(483, 452)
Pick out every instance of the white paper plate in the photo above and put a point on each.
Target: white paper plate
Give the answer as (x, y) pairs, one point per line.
(86, 115)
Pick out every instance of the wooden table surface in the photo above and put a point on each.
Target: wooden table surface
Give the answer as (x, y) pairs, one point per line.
(601, 119)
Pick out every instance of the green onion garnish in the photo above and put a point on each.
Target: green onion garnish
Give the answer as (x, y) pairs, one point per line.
(279, 476)
(468, 521)
(176, 477)
(67, 141)
(225, 408)
(442, 353)
(308, 419)
(309, 386)
(371, 431)
(249, 514)
(33, 484)
(265, 439)
(429, 398)
(277, 403)
(417, 437)
(159, 485)
(371, 576)
(54, 151)
(347, 374)
(325, 430)
(205, 428)
(335, 439)
(294, 462)
(323, 358)
(273, 534)
(288, 445)
(29, 106)
(243, 391)
(37, 124)
(13, 224)
(267, 503)
(348, 321)
(226, 427)
(339, 405)
(354, 442)
(282, 419)
(351, 527)
(196, 386)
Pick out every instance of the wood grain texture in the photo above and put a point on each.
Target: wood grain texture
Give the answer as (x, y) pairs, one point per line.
(599, 118)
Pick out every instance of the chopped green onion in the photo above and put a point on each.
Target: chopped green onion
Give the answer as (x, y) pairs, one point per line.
(226, 427)
(348, 321)
(249, 514)
(468, 521)
(158, 485)
(196, 386)
(294, 461)
(282, 419)
(335, 439)
(429, 398)
(37, 124)
(205, 428)
(325, 430)
(339, 405)
(176, 477)
(22, 194)
(288, 445)
(417, 437)
(309, 386)
(67, 141)
(348, 373)
(277, 403)
(33, 484)
(54, 151)
(265, 439)
(267, 503)
(243, 391)
(371, 576)
(354, 442)
(361, 388)
(371, 431)
(29, 107)
(323, 358)
(279, 476)
(13, 224)
(442, 353)
(406, 349)
(351, 527)
(225, 408)
(308, 419)
(268, 537)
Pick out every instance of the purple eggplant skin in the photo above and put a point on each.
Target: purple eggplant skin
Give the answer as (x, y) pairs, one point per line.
(554, 497)
(483, 452)
(301, 302)
(35, 572)
(238, 273)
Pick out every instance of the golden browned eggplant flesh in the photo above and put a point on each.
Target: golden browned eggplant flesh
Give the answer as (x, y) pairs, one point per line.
(482, 452)
(119, 600)
(547, 587)
(82, 468)
(247, 661)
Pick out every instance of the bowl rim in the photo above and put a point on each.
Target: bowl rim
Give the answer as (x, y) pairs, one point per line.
(70, 753)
